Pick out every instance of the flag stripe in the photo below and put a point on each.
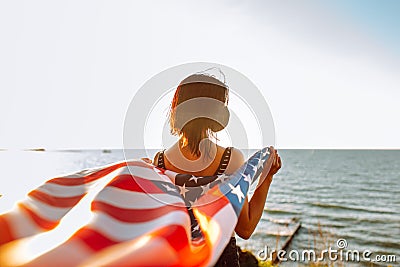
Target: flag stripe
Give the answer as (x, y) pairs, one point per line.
(97, 174)
(45, 211)
(53, 200)
(120, 231)
(147, 173)
(175, 235)
(86, 179)
(127, 199)
(41, 222)
(93, 239)
(136, 184)
(57, 190)
(19, 224)
(6, 235)
(135, 215)
(209, 204)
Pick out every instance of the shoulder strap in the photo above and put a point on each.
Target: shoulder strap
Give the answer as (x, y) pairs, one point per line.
(160, 159)
(223, 164)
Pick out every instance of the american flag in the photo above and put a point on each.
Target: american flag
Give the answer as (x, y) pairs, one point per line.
(139, 219)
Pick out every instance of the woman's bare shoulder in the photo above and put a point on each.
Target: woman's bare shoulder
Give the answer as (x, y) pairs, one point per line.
(236, 161)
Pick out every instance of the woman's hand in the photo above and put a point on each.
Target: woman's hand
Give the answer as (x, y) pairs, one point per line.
(276, 162)
(271, 166)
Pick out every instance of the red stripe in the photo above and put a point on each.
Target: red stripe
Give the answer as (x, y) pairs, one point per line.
(61, 202)
(41, 222)
(177, 239)
(175, 235)
(87, 178)
(93, 239)
(98, 174)
(5, 231)
(67, 181)
(136, 184)
(211, 202)
(136, 215)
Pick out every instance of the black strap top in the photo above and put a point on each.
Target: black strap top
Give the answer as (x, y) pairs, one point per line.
(223, 164)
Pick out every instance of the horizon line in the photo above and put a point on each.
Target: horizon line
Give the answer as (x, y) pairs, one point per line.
(38, 149)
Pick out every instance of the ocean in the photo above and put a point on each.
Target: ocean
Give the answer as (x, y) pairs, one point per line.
(351, 195)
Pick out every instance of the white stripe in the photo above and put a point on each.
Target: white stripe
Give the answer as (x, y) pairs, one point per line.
(138, 252)
(126, 199)
(171, 175)
(121, 231)
(146, 173)
(221, 227)
(21, 224)
(46, 211)
(58, 255)
(57, 190)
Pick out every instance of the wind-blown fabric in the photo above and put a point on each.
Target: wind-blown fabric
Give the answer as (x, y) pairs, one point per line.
(139, 218)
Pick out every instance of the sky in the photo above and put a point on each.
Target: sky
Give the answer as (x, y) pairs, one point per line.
(327, 69)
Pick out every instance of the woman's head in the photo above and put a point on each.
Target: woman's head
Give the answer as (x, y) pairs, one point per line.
(193, 89)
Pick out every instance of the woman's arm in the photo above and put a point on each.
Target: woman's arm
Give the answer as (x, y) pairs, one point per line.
(252, 211)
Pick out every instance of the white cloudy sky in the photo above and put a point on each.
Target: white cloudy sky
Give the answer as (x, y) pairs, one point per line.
(328, 70)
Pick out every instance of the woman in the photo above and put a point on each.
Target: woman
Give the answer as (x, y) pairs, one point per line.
(198, 111)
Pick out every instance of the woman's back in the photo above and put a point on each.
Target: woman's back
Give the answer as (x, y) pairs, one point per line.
(198, 112)
(217, 160)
